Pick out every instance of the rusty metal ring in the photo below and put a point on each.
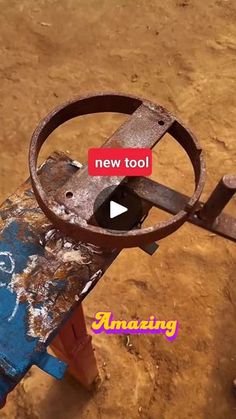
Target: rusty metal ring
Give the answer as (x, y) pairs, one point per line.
(80, 229)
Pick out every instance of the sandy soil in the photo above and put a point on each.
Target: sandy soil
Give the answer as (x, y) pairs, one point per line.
(180, 53)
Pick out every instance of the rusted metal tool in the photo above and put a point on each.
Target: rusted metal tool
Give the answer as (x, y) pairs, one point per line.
(71, 208)
(52, 252)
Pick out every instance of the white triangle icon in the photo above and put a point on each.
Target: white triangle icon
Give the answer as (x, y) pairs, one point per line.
(116, 209)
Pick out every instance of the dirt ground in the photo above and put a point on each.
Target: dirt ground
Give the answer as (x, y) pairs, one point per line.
(181, 54)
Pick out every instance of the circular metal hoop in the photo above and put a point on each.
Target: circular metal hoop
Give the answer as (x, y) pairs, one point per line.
(78, 228)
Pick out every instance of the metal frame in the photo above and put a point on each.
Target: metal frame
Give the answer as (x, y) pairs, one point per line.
(46, 272)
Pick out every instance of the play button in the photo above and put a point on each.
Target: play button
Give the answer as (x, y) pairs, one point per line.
(116, 209)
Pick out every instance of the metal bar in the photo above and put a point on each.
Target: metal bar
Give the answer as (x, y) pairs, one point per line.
(172, 201)
(144, 128)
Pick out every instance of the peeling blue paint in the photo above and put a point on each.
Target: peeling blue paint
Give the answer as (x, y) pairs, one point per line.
(18, 351)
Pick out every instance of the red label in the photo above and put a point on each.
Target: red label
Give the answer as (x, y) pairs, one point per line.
(120, 161)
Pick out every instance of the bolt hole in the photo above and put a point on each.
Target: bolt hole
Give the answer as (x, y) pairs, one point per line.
(69, 194)
(161, 122)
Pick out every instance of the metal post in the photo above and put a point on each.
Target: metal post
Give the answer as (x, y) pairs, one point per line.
(219, 198)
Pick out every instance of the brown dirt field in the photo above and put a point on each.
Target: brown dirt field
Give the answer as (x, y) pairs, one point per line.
(181, 54)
